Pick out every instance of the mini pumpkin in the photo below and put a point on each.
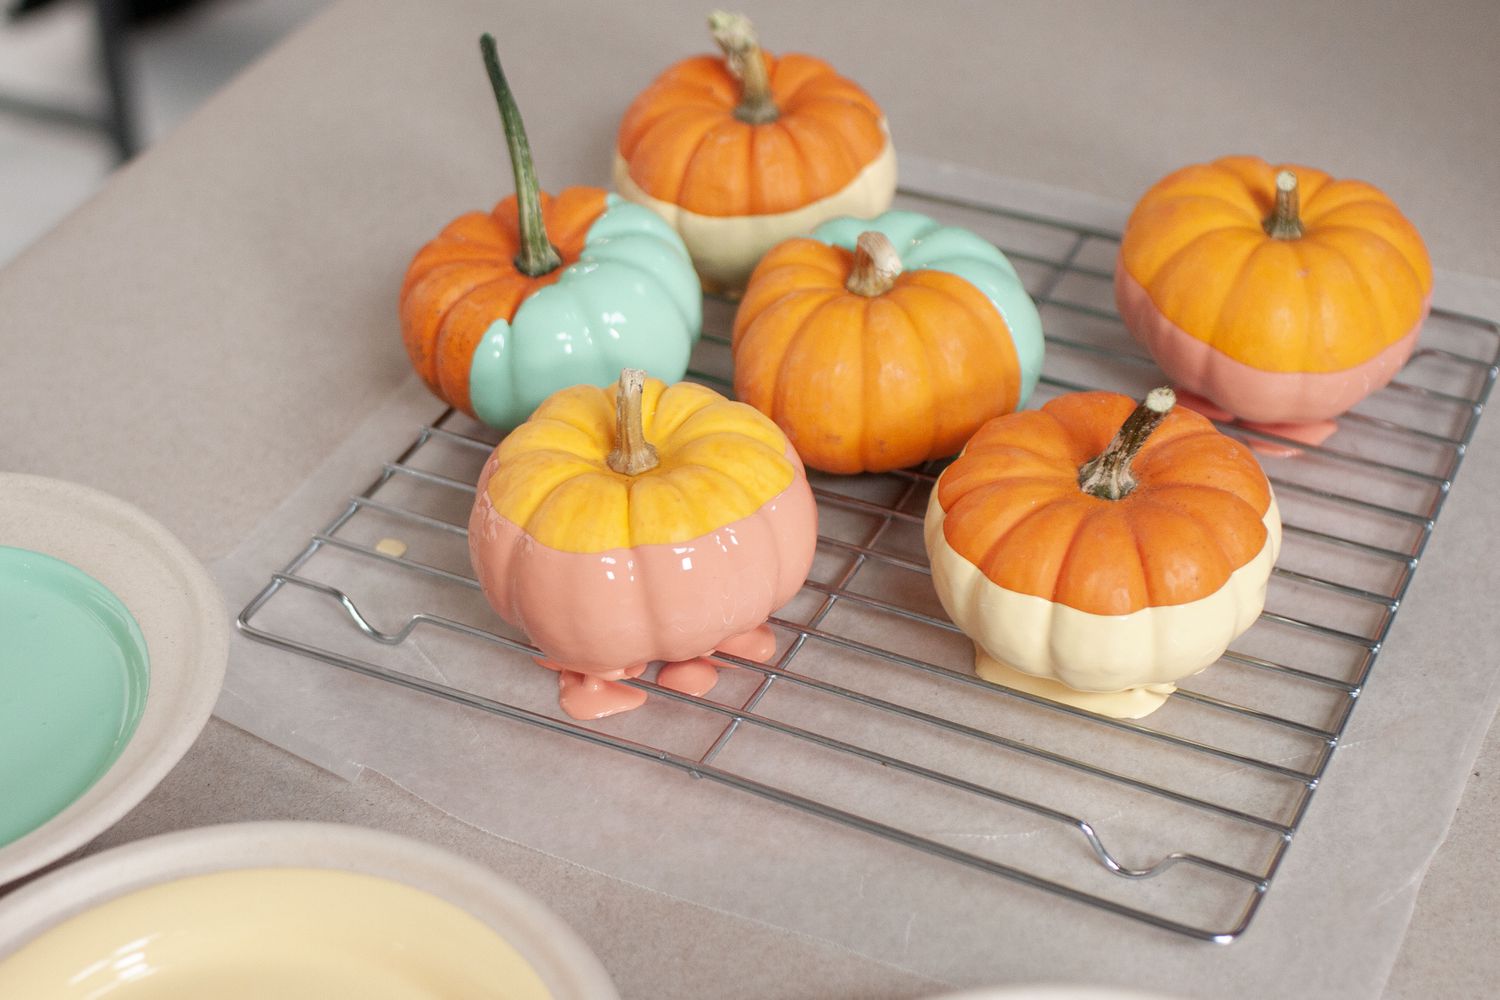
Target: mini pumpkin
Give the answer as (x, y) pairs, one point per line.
(505, 307)
(878, 344)
(1278, 293)
(641, 522)
(738, 153)
(1097, 551)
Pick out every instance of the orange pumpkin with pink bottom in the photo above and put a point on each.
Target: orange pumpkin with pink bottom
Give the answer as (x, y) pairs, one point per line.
(639, 523)
(1275, 295)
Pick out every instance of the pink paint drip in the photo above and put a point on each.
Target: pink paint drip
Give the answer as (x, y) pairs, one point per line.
(1313, 433)
(596, 696)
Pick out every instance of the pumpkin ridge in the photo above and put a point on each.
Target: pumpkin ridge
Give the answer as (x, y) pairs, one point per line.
(1369, 235)
(1171, 262)
(1311, 211)
(940, 431)
(984, 324)
(821, 71)
(808, 328)
(687, 164)
(1211, 527)
(1199, 589)
(1172, 204)
(1383, 324)
(745, 496)
(990, 552)
(766, 325)
(1075, 537)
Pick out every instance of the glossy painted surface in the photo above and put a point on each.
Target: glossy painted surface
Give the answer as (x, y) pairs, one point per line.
(1247, 392)
(74, 674)
(630, 300)
(926, 244)
(719, 461)
(291, 933)
(1118, 665)
(725, 248)
(603, 613)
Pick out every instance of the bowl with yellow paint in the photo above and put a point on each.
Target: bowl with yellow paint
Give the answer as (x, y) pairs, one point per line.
(113, 644)
(298, 911)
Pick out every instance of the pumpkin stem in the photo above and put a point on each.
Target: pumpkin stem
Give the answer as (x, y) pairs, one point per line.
(537, 256)
(877, 265)
(632, 453)
(736, 36)
(1283, 223)
(1108, 476)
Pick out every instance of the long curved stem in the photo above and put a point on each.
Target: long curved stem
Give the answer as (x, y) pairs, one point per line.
(1108, 476)
(537, 256)
(632, 453)
(736, 36)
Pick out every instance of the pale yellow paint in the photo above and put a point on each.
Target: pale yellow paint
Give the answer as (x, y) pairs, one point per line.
(288, 933)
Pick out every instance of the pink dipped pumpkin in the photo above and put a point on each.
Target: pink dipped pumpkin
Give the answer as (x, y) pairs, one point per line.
(641, 522)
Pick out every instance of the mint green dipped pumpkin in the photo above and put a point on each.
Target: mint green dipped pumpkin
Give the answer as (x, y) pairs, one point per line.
(877, 344)
(506, 307)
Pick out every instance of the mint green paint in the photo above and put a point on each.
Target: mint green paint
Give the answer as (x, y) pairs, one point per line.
(73, 680)
(926, 244)
(631, 300)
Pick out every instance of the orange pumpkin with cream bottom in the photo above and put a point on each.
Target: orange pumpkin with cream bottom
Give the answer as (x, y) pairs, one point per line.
(741, 152)
(1097, 551)
(1277, 293)
(637, 523)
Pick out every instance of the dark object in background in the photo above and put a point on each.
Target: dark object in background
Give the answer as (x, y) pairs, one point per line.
(135, 11)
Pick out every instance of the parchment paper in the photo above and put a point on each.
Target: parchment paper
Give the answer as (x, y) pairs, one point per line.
(1331, 922)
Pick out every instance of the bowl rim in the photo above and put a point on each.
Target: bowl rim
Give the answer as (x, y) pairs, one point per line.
(181, 614)
(565, 963)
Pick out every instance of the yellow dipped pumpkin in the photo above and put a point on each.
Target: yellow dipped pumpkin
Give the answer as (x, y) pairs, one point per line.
(641, 522)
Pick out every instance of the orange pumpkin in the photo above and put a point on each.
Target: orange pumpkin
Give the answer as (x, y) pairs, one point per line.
(880, 344)
(1097, 551)
(741, 152)
(1276, 292)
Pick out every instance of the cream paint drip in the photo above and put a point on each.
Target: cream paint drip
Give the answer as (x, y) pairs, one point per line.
(726, 248)
(1115, 661)
(289, 933)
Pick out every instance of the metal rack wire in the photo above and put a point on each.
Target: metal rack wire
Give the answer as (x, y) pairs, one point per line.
(870, 698)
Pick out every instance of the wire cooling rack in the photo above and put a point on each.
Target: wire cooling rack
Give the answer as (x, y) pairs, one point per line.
(868, 714)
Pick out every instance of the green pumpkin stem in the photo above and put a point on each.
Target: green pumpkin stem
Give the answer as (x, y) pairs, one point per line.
(877, 265)
(1108, 476)
(537, 256)
(1283, 223)
(632, 453)
(736, 36)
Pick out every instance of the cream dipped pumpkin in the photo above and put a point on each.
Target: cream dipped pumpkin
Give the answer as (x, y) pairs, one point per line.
(738, 153)
(1277, 293)
(641, 522)
(1097, 552)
